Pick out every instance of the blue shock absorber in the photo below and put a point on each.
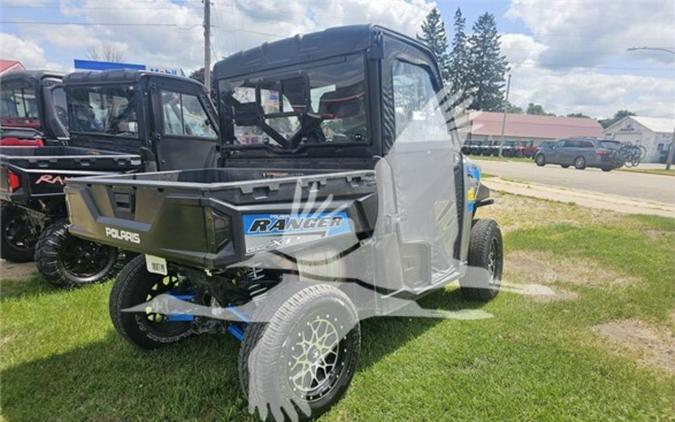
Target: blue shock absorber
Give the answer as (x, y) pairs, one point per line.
(181, 317)
(235, 329)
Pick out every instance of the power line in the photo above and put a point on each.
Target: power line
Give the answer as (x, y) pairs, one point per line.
(98, 24)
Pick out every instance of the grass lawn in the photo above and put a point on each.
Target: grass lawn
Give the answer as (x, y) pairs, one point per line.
(535, 360)
(661, 172)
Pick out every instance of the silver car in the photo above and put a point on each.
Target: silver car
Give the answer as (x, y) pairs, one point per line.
(580, 153)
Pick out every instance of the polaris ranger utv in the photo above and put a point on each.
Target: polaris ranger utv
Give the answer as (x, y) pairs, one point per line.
(32, 109)
(121, 121)
(343, 195)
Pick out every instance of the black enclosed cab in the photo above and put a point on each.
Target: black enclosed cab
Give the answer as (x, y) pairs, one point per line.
(342, 194)
(32, 109)
(169, 119)
(121, 121)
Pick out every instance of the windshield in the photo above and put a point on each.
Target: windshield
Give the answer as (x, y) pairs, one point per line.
(322, 105)
(103, 109)
(19, 105)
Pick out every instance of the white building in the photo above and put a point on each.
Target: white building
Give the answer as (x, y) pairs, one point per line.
(654, 133)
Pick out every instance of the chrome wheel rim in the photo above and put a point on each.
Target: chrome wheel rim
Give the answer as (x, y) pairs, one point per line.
(315, 357)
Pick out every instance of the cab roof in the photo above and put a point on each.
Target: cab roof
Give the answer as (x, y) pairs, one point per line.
(308, 47)
(118, 76)
(34, 75)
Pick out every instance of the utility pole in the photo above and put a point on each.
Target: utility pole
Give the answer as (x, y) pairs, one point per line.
(207, 45)
(506, 103)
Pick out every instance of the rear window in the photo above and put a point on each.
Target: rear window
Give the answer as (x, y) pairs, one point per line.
(610, 144)
(19, 105)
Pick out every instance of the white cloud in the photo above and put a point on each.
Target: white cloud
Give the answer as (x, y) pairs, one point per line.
(237, 25)
(591, 92)
(576, 59)
(29, 53)
(589, 32)
(521, 48)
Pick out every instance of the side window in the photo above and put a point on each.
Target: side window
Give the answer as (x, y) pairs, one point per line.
(418, 113)
(60, 105)
(586, 144)
(184, 115)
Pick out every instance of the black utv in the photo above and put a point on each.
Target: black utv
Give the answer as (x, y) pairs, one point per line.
(120, 121)
(32, 109)
(342, 195)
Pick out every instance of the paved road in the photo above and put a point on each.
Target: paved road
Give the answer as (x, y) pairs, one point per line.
(629, 185)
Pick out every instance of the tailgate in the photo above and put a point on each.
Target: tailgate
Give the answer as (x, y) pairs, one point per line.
(206, 225)
(40, 173)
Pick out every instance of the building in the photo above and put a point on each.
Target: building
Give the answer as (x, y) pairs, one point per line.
(487, 126)
(10, 66)
(654, 133)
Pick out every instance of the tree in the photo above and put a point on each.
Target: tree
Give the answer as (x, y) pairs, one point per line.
(105, 52)
(198, 75)
(459, 56)
(617, 116)
(512, 108)
(487, 66)
(434, 36)
(537, 110)
(577, 115)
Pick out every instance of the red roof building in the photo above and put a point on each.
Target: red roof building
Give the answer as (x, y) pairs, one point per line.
(10, 66)
(487, 126)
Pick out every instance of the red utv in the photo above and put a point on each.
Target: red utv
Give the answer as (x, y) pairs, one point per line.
(33, 109)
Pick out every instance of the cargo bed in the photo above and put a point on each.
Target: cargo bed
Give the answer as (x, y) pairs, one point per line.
(203, 218)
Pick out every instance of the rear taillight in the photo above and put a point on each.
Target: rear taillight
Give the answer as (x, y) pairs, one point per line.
(13, 181)
(601, 152)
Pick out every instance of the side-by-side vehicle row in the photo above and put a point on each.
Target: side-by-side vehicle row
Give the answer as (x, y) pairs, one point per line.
(120, 121)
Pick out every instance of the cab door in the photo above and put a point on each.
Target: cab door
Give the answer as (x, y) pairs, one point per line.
(185, 134)
(423, 169)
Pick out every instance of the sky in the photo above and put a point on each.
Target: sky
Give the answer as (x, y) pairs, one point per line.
(568, 55)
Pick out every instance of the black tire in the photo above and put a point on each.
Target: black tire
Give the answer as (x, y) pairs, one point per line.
(580, 163)
(565, 166)
(134, 286)
(19, 235)
(266, 372)
(540, 160)
(486, 252)
(66, 261)
(607, 169)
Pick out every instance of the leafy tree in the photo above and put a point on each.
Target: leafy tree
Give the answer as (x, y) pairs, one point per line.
(198, 75)
(617, 116)
(487, 65)
(538, 110)
(512, 108)
(459, 56)
(577, 115)
(434, 36)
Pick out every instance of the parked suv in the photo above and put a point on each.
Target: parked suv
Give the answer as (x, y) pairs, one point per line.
(580, 153)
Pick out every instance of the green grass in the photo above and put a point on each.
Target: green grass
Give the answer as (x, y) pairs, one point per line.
(62, 360)
(661, 172)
